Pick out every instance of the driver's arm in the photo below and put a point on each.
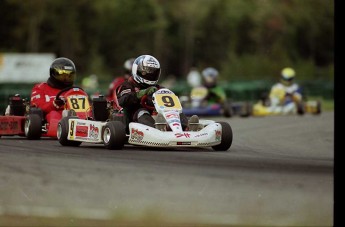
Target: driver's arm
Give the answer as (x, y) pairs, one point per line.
(127, 96)
(40, 98)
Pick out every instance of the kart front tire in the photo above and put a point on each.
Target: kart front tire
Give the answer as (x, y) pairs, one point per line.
(33, 127)
(114, 135)
(226, 139)
(62, 133)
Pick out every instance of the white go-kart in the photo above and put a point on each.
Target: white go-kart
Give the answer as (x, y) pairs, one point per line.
(114, 134)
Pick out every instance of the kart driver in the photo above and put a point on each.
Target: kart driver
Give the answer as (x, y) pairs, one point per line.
(62, 75)
(215, 93)
(286, 92)
(146, 72)
(111, 96)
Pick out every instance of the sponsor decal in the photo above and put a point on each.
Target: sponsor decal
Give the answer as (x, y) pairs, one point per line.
(11, 125)
(125, 92)
(137, 134)
(201, 135)
(164, 91)
(176, 124)
(81, 131)
(81, 123)
(94, 131)
(218, 135)
(183, 143)
(174, 120)
(171, 115)
(185, 134)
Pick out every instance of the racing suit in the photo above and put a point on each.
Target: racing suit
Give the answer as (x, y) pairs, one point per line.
(127, 99)
(111, 96)
(43, 96)
(284, 98)
(216, 95)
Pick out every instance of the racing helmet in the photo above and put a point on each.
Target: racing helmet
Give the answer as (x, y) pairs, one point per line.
(146, 70)
(62, 73)
(210, 75)
(128, 65)
(287, 76)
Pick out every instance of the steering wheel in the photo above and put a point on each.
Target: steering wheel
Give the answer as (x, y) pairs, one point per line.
(144, 103)
(64, 90)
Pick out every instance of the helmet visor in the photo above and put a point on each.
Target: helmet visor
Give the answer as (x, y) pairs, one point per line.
(287, 79)
(149, 73)
(65, 76)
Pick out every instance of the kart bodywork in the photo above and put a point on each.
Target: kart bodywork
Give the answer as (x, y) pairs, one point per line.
(114, 133)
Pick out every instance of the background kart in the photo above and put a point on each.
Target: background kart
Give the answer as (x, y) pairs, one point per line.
(169, 133)
(198, 104)
(263, 107)
(32, 123)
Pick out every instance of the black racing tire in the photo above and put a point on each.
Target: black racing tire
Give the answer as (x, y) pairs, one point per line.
(114, 135)
(300, 108)
(33, 127)
(246, 109)
(318, 108)
(226, 139)
(62, 133)
(227, 110)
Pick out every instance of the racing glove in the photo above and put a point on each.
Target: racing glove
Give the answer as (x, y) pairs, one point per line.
(58, 103)
(147, 91)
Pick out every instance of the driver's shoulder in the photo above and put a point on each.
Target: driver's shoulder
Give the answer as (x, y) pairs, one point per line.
(41, 86)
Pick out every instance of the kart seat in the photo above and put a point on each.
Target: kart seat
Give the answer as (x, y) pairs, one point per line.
(17, 106)
(99, 109)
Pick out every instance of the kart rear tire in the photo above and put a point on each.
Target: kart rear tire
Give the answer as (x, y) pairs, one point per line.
(226, 139)
(300, 108)
(114, 135)
(62, 133)
(33, 127)
(227, 110)
(246, 109)
(318, 108)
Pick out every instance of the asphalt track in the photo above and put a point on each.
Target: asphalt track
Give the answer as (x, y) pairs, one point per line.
(278, 172)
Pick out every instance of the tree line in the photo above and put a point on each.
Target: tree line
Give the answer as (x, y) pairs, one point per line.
(244, 39)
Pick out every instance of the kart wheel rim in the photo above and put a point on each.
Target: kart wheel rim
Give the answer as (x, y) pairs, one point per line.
(58, 132)
(106, 135)
(26, 127)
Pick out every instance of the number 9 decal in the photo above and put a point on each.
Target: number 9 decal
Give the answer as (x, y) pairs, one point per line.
(71, 131)
(168, 101)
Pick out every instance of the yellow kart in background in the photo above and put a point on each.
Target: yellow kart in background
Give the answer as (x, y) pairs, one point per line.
(286, 104)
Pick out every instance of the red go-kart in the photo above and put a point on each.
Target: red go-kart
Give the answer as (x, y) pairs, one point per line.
(32, 123)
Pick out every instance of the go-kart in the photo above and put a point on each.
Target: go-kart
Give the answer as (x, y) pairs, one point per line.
(115, 133)
(31, 122)
(264, 106)
(198, 104)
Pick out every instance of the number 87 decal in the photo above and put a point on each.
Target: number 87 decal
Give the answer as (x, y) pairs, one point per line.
(78, 103)
(168, 101)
